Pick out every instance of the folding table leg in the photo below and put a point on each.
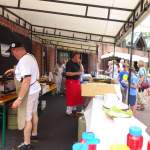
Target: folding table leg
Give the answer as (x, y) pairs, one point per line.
(3, 125)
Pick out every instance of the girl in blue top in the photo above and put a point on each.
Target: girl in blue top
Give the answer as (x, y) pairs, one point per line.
(133, 91)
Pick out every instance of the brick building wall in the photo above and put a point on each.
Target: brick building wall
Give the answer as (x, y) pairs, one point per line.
(51, 58)
(37, 52)
(109, 48)
(14, 27)
(92, 62)
(106, 48)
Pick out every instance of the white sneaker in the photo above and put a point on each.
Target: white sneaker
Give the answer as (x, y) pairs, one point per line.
(74, 108)
(69, 110)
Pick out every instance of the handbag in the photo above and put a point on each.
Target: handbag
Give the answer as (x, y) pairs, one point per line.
(145, 85)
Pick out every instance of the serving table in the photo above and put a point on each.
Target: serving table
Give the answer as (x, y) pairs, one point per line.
(4, 100)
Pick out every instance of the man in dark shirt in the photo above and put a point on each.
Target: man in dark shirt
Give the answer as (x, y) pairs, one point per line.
(73, 87)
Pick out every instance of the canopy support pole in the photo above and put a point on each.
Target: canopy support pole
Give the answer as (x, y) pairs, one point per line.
(148, 58)
(31, 35)
(131, 48)
(114, 58)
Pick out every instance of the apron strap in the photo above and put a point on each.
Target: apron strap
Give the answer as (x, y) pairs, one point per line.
(33, 83)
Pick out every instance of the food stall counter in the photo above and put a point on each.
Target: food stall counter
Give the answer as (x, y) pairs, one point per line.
(4, 99)
(108, 130)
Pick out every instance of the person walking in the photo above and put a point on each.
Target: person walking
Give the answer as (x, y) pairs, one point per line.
(58, 70)
(28, 88)
(112, 70)
(63, 87)
(133, 90)
(123, 78)
(142, 77)
(73, 87)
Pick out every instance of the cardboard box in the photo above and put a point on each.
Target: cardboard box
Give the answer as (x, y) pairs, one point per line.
(93, 89)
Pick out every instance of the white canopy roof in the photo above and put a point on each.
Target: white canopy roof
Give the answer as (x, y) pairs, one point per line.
(124, 56)
(85, 20)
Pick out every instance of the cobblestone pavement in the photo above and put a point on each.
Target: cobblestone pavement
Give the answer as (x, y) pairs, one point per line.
(144, 116)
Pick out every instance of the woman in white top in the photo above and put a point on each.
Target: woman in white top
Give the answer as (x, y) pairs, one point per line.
(142, 76)
(112, 70)
(58, 70)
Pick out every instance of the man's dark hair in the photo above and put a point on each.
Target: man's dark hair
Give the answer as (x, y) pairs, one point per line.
(74, 53)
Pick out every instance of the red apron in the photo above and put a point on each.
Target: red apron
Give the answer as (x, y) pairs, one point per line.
(73, 93)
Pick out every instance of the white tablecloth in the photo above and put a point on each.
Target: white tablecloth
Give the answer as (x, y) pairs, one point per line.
(107, 130)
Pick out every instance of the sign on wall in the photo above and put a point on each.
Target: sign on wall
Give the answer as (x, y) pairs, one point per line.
(4, 50)
(7, 61)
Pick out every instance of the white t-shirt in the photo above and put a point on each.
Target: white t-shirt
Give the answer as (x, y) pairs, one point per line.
(59, 74)
(27, 65)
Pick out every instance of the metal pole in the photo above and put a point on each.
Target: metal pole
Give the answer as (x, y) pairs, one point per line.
(131, 52)
(31, 38)
(97, 68)
(45, 59)
(148, 58)
(113, 59)
(42, 69)
(4, 125)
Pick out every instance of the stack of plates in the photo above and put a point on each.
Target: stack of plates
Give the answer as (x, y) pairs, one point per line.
(117, 109)
(115, 112)
(119, 105)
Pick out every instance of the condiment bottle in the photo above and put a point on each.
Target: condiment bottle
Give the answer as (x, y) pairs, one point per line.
(90, 139)
(92, 144)
(135, 138)
(148, 145)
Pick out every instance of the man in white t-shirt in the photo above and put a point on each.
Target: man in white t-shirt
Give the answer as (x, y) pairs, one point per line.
(27, 75)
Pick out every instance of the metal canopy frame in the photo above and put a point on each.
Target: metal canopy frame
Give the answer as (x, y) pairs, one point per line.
(44, 28)
(76, 15)
(88, 5)
(136, 13)
(71, 37)
(141, 7)
(51, 40)
(80, 46)
(56, 32)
